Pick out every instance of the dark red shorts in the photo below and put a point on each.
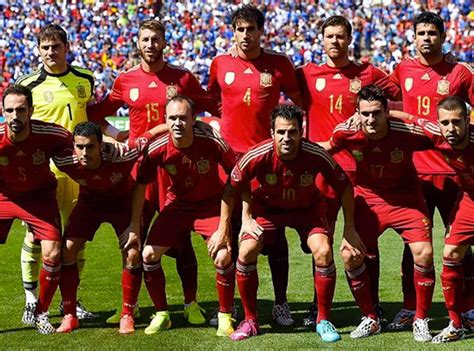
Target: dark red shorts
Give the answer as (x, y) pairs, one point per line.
(461, 228)
(175, 222)
(87, 216)
(330, 199)
(440, 191)
(305, 221)
(41, 213)
(408, 218)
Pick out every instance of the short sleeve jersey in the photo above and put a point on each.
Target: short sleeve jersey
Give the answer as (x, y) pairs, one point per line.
(422, 88)
(462, 161)
(146, 95)
(286, 184)
(384, 167)
(330, 97)
(193, 171)
(60, 98)
(248, 91)
(24, 166)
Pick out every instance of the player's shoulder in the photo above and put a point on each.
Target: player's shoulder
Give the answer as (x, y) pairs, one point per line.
(177, 69)
(223, 56)
(464, 67)
(159, 143)
(33, 78)
(313, 150)
(2, 128)
(212, 136)
(256, 152)
(47, 128)
(345, 128)
(404, 126)
(131, 71)
(276, 56)
(82, 74)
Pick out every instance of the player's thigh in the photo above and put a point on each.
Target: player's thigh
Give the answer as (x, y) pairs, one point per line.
(460, 231)
(369, 222)
(411, 222)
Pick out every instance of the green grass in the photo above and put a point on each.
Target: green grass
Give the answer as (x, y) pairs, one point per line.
(100, 291)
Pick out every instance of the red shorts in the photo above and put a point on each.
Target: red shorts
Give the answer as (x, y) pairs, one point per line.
(330, 199)
(41, 213)
(440, 191)
(87, 216)
(305, 221)
(175, 222)
(409, 219)
(461, 228)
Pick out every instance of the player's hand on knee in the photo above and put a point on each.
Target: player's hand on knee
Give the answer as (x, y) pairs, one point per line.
(130, 238)
(252, 228)
(219, 239)
(352, 242)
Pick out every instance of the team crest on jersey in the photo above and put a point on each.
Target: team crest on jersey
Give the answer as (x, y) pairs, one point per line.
(229, 78)
(355, 85)
(396, 156)
(39, 157)
(443, 87)
(358, 155)
(408, 84)
(171, 169)
(171, 92)
(48, 96)
(271, 178)
(115, 178)
(306, 180)
(134, 94)
(3, 161)
(320, 84)
(81, 91)
(203, 166)
(266, 79)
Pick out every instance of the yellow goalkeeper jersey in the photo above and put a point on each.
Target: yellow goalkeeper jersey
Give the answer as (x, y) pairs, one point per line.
(60, 98)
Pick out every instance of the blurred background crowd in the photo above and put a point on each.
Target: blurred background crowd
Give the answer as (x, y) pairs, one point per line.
(103, 33)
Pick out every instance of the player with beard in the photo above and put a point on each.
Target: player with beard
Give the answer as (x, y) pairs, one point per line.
(146, 88)
(453, 136)
(28, 187)
(248, 83)
(329, 93)
(421, 82)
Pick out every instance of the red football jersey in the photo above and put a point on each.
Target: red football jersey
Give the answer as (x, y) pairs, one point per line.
(249, 90)
(384, 168)
(422, 87)
(286, 184)
(111, 180)
(193, 171)
(330, 97)
(24, 166)
(146, 95)
(462, 161)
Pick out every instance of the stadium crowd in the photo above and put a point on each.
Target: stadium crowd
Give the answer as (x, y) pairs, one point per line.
(100, 32)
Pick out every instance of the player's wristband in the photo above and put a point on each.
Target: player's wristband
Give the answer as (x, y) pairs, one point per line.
(111, 131)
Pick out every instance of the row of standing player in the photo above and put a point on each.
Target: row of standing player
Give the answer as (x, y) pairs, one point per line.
(250, 84)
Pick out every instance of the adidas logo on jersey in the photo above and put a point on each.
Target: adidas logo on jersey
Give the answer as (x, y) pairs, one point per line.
(337, 76)
(376, 149)
(248, 71)
(425, 77)
(153, 85)
(20, 153)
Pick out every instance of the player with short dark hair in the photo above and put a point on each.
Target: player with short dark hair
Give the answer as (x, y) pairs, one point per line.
(191, 159)
(146, 88)
(283, 170)
(421, 82)
(329, 97)
(61, 93)
(28, 188)
(248, 84)
(387, 195)
(453, 136)
(105, 196)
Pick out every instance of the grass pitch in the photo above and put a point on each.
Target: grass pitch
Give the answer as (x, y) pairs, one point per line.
(100, 292)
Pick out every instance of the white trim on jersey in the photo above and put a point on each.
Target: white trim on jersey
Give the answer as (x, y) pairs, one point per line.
(261, 150)
(318, 151)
